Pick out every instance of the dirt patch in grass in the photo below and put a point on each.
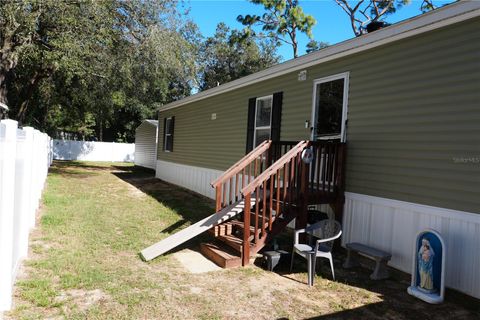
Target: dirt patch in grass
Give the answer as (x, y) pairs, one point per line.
(82, 299)
(97, 217)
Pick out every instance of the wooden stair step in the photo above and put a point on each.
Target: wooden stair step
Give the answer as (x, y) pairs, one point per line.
(232, 241)
(260, 219)
(221, 229)
(238, 229)
(221, 255)
(239, 225)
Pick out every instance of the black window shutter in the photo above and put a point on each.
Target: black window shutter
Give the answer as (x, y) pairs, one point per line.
(172, 130)
(251, 123)
(276, 116)
(164, 133)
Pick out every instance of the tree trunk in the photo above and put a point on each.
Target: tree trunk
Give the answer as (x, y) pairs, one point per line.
(6, 65)
(8, 61)
(100, 134)
(293, 37)
(100, 126)
(28, 93)
(3, 87)
(3, 94)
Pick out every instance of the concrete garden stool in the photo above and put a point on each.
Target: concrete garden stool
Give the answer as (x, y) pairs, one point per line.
(381, 258)
(273, 258)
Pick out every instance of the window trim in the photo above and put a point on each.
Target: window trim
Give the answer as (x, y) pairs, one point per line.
(166, 135)
(255, 128)
(316, 82)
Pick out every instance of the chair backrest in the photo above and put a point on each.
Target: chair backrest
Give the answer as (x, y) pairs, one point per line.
(328, 229)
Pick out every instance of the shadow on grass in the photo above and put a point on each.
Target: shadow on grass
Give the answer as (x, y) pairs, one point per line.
(88, 165)
(413, 310)
(369, 311)
(392, 291)
(364, 312)
(72, 169)
(192, 207)
(85, 169)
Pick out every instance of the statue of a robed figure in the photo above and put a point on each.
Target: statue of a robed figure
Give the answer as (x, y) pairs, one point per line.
(428, 272)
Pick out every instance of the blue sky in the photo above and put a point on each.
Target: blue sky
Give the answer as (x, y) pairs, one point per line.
(332, 25)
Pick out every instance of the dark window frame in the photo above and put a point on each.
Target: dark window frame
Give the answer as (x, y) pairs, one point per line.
(168, 133)
(255, 126)
(275, 119)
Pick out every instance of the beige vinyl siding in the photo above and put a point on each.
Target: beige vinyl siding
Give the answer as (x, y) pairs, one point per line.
(145, 145)
(414, 106)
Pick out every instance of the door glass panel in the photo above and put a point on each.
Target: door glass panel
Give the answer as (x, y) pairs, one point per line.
(264, 109)
(329, 108)
(261, 135)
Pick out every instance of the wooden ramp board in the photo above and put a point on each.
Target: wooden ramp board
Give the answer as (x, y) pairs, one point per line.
(194, 230)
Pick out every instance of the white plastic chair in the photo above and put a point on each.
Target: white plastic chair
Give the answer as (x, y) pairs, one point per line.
(328, 231)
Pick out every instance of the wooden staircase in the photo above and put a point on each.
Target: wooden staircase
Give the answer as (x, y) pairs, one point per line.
(260, 195)
(279, 189)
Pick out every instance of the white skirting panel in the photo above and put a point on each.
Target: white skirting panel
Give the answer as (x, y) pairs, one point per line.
(194, 178)
(392, 225)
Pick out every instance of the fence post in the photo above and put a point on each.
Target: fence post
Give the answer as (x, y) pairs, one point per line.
(50, 151)
(29, 171)
(8, 136)
(23, 189)
(36, 171)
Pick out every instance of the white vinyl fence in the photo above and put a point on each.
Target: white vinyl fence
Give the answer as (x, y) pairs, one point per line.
(93, 151)
(25, 156)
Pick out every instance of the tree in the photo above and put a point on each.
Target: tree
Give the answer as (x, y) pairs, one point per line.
(17, 21)
(363, 12)
(427, 5)
(314, 45)
(229, 55)
(282, 21)
(94, 68)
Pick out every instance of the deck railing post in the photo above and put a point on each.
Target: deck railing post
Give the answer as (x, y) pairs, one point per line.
(341, 169)
(218, 197)
(339, 205)
(301, 220)
(246, 231)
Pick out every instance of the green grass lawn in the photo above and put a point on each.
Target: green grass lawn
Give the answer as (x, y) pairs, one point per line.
(84, 263)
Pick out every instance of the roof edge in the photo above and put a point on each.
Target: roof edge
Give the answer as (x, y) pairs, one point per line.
(441, 17)
(151, 122)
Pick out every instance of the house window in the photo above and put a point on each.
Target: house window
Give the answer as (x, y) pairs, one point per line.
(168, 134)
(263, 119)
(330, 107)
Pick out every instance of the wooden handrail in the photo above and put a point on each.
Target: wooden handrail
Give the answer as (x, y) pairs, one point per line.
(239, 165)
(286, 185)
(274, 167)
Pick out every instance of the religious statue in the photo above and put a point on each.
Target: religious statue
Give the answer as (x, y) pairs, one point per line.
(428, 267)
(425, 265)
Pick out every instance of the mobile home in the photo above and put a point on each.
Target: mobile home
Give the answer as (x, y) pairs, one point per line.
(404, 100)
